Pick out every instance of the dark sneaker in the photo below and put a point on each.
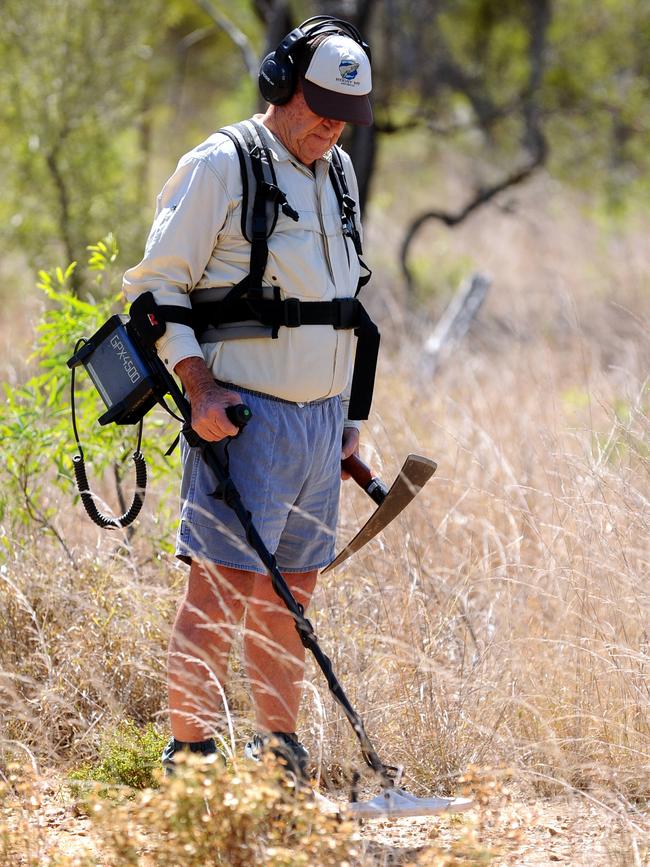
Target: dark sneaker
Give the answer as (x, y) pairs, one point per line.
(287, 749)
(204, 748)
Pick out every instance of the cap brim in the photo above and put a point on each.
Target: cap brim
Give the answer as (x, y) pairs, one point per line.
(337, 106)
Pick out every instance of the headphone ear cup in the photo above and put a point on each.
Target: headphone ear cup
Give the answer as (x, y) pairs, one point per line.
(277, 79)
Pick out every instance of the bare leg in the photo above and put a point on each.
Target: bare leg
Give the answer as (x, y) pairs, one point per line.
(199, 647)
(275, 657)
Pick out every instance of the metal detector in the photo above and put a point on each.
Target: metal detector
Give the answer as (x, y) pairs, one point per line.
(130, 377)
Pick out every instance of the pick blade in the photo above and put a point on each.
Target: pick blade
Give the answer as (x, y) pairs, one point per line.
(415, 473)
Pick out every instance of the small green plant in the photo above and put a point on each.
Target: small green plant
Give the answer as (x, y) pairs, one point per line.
(36, 442)
(128, 756)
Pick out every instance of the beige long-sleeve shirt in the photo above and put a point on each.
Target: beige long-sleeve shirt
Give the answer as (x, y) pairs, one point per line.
(196, 242)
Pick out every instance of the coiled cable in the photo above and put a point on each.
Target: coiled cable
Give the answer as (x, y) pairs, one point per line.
(87, 498)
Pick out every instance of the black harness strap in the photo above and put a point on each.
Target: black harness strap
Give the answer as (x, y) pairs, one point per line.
(258, 223)
(365, 366)
(245, 302)
(259, 248)
(176, 313)
(340, 313)
(348, 211)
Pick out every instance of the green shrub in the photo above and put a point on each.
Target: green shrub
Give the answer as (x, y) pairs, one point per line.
(36, 440)
(128, 756)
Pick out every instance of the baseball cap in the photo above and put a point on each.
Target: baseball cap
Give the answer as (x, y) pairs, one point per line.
(336, 79)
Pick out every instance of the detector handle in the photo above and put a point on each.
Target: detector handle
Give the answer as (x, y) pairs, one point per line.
(239, 415)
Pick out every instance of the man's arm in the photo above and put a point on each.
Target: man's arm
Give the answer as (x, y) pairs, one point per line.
(351, 429)
(192, 209)
(349, 446)
(208, 400)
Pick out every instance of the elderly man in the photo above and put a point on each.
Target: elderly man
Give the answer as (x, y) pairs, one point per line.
(294, 371)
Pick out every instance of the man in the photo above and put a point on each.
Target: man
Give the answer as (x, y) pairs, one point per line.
(286, 463)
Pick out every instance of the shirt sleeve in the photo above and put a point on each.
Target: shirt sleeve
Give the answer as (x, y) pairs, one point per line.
(190, 213)
(346, 408)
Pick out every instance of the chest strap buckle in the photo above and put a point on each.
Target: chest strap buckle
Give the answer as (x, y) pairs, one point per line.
(291, 310)
(347, 313)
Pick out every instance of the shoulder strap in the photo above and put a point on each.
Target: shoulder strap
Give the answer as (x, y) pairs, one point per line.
(347, 206)
(260, 213)
(256, 165)
(261, 200)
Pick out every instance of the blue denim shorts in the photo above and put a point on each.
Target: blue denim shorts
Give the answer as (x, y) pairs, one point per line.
(286, 465)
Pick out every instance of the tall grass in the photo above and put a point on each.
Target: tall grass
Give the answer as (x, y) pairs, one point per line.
(502, 621)
(507, 617)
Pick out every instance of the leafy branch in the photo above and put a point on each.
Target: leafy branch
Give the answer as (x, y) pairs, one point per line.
(35, 427)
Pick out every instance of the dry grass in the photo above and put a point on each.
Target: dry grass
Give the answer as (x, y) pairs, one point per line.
(513, 626)
(198, 818)
(503, 621)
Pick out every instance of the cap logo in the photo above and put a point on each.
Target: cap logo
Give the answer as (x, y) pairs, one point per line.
(348, 69)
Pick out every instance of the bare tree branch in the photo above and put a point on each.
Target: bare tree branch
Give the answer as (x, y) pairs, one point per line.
(195, 37)
(37, 515)
(533, 140)
(236, 35)
(420, 119)
(456, 78)
(63, 196)
(117, 475)
(277, 19)
(540, 19)
(483, 196)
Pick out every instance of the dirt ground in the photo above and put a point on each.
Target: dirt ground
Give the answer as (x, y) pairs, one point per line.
(574, 830)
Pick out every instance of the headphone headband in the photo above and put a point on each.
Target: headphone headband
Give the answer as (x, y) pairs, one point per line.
(315, 26)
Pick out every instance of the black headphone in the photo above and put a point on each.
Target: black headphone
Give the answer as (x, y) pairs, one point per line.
(279, 70)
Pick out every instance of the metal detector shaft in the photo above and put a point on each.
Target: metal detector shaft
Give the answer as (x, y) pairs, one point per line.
(213, 456)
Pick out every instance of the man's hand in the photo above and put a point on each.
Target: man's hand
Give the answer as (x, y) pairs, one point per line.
(349, 446)
(208, 400)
